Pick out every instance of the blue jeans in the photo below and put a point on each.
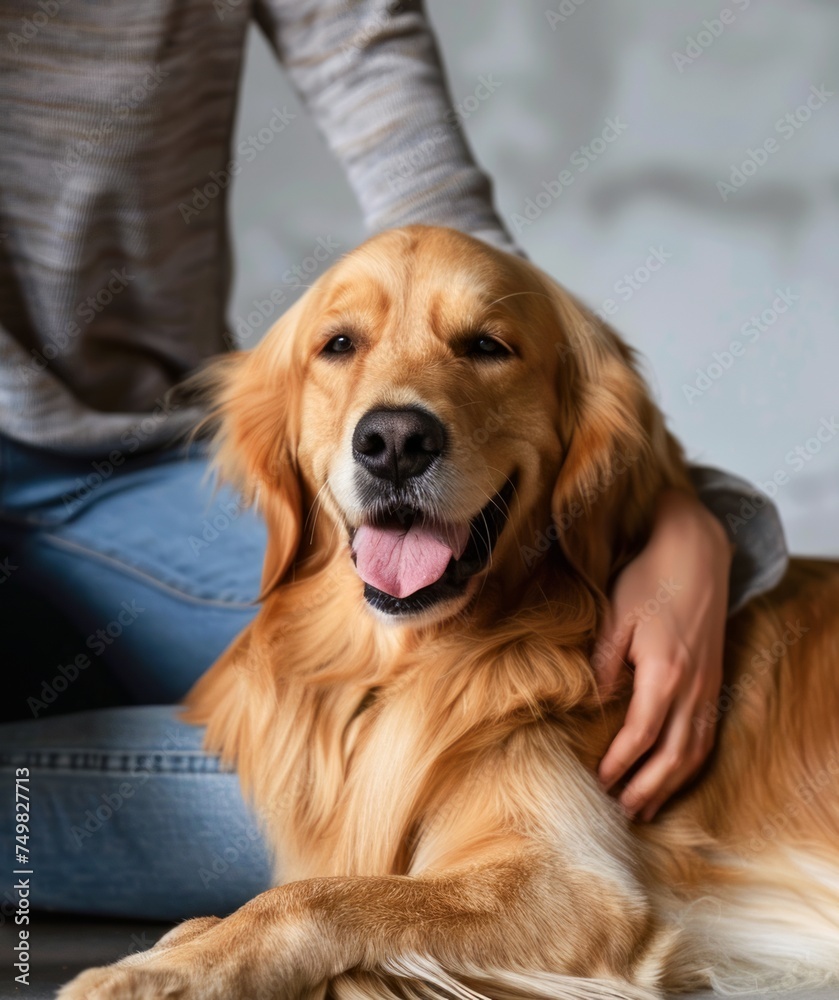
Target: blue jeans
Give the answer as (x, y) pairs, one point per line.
(121, 581)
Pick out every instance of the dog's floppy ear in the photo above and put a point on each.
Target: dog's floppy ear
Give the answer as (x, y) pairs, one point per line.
(618, 452)
(256, 398)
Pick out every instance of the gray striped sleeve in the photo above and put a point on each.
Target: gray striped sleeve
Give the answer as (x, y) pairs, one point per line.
(753, 525)
(369, 72)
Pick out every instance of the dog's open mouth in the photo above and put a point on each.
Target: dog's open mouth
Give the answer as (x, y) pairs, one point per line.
(409, 563)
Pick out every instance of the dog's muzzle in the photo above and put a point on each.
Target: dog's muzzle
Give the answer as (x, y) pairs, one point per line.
(408, 558)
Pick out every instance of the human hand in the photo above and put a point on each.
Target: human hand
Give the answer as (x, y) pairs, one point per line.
(667, 621)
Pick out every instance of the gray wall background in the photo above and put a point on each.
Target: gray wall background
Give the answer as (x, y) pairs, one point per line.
(655, 186)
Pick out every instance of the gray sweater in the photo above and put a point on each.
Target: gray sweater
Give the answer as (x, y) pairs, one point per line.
(115, 164)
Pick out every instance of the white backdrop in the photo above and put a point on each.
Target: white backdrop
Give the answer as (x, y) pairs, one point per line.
(641, 226)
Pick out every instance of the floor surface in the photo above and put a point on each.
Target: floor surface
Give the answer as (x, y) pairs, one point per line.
(63, 947)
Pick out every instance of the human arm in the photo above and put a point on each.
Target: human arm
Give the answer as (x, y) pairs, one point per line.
(370, 75)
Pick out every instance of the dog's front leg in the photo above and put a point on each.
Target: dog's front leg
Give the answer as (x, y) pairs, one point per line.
(288, 941)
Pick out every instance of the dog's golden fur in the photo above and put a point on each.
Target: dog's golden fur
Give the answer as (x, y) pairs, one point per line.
(429, 786)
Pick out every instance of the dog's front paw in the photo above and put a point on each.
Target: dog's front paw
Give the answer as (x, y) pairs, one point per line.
(117, 982)
(144, 976)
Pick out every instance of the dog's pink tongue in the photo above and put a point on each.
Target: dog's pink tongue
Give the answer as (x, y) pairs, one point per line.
(400, 561)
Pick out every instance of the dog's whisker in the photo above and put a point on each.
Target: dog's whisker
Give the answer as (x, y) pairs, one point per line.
(514, 495)
(314, 510)
(511, 295)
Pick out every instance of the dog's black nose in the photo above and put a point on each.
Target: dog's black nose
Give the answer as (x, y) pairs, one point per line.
(397, 444)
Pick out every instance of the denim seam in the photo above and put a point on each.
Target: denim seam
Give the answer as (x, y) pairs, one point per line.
(42, 767)
(78, 761)
(34, 521)
(84, 774)
(130, 570)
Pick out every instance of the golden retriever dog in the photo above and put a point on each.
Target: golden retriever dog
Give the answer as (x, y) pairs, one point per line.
(454, 458)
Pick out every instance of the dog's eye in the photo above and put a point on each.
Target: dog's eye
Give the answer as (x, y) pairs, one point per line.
(484, 346)
(341, 344)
